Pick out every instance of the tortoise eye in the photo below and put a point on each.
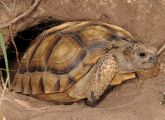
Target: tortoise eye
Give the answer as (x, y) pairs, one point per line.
(142, 54)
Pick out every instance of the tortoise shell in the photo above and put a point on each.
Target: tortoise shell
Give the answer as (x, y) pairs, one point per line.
(64, 54)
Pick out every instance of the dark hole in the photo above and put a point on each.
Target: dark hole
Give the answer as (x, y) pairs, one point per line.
(23, 40)
(142, 54)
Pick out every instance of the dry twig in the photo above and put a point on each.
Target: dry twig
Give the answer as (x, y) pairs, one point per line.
(13, 6)
(15, 46)
(3, 91)
(20, 16)
(10, 11)
(2, 80)
(162, 48)
(5, 6)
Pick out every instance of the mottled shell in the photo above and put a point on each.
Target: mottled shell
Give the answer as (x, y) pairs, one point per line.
(64, 54)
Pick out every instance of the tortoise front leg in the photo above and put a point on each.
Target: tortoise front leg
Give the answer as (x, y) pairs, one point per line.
(104, 72)
(96, 81)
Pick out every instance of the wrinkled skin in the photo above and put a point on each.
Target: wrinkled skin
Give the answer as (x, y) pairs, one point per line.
(135, 56)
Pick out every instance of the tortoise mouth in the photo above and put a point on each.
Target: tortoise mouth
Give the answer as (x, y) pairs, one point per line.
(128, 71)
(148, 65)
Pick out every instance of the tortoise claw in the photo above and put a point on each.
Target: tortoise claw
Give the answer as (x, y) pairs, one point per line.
(92, 101)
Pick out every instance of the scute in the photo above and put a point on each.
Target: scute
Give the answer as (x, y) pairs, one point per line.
(27, 57)
(18, 83)
(41, 55)
(27, 84)
(49, 81)
(79, 26)
(64, 60)
(37, 83)
(65, 82)
(93, 35)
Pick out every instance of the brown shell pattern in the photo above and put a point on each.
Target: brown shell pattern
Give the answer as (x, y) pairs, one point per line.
(62, 55)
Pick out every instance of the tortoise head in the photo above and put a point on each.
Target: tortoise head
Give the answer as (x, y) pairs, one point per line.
(135, 56)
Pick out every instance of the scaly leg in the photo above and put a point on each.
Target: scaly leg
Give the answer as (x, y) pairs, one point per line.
(104, 72)
(96, 81)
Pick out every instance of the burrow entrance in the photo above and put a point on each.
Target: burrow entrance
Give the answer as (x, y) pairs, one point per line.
(23, 40)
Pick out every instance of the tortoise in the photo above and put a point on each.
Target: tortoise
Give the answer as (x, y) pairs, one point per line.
(80, 60)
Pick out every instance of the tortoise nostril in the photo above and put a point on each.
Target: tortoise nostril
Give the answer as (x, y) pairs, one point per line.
(152, 59)
(142, 54)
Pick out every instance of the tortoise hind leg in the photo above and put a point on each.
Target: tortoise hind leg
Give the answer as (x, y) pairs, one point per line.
(122, 77)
